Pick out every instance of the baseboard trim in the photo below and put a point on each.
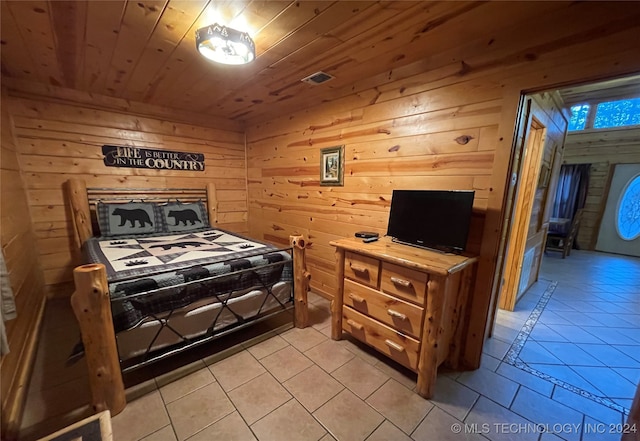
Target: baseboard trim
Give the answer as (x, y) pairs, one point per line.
(17, 393)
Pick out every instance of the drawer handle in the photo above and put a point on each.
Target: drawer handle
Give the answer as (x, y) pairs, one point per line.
(359, 269)
(394, 345)
(356, 325)
(356, 298)
(401, 282)
(396, 314)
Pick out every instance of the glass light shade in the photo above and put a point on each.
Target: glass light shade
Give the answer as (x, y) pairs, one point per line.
(225, 45)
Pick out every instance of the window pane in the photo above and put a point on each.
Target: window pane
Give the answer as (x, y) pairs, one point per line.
(628, 215)
(578, 117)
(617, 113)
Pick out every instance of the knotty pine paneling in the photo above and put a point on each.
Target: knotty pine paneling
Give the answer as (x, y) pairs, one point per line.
(26, 278)
(602, 148)
(555, 121)
(457, 70)
(59, 139)
(144, 51)
(424, 140)
(403, 130)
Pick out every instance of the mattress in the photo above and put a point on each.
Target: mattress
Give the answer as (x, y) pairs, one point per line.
(154, 274)
(199, 319)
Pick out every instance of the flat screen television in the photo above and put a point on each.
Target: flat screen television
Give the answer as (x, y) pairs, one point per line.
(436, 219)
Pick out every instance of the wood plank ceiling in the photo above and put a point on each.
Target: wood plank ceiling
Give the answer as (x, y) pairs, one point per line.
(619, 88)
(145, 50)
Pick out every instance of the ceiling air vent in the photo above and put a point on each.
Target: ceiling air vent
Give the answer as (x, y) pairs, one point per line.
(318, 78)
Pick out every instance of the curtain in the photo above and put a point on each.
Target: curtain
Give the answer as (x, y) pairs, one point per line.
(7, 305)
(571, 194)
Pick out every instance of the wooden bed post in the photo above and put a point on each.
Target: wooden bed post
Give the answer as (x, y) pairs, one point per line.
(81, 216)
(92, 307)
(301, 280)
(212, 204)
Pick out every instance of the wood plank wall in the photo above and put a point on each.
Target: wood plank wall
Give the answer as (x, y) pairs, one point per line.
(602, 149)
(448, 144)
(59, 139)
(554, 120)
(25, 274)
(445, 121)
(401, 130)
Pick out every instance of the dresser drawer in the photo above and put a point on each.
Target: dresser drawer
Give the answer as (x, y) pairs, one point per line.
(393, 344)
(361, 268)
(403, 316)
(403, 282)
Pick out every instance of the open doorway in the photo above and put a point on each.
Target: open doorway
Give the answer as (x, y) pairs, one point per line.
(578, 325)
(577, 158)
(536, 167)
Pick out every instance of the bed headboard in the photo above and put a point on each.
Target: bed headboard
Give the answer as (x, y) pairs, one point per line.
(83, 201)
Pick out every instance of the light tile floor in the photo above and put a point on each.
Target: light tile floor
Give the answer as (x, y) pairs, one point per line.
(566, 361)
(587, 336)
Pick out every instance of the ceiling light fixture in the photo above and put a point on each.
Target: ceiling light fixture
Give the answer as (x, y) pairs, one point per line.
(225, 45)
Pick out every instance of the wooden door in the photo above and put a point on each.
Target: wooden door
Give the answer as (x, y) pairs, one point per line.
(542, 156)
(516, 254)
(523, 123)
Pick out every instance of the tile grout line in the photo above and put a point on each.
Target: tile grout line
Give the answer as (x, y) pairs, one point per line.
(378, 426)
(518, 344)
(512, 356)
(166, 410)
(293, 397)
(267, 371)
(424, 418)
(226, 394)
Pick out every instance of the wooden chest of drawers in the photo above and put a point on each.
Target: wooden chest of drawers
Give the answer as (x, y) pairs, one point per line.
(406, 302)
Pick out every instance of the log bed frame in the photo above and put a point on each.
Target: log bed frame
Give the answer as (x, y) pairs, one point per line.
(91, 302)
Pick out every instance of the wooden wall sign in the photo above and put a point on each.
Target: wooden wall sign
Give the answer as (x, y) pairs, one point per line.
(135, 157)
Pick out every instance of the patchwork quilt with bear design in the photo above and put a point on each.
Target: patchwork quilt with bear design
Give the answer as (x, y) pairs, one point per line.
(152, 274)
(134, 256)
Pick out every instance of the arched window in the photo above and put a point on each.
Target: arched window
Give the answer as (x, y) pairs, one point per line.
(628, 212)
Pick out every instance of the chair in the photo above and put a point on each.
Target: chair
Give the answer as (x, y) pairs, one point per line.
(564, 242)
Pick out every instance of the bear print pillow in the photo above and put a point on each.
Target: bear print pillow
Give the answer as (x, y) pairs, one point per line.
(129, 218)
(180, 217)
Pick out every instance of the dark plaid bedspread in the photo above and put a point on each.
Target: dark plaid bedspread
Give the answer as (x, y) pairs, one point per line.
(183, 283)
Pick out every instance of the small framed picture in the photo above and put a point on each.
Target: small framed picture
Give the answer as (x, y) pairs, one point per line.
(332, 166)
